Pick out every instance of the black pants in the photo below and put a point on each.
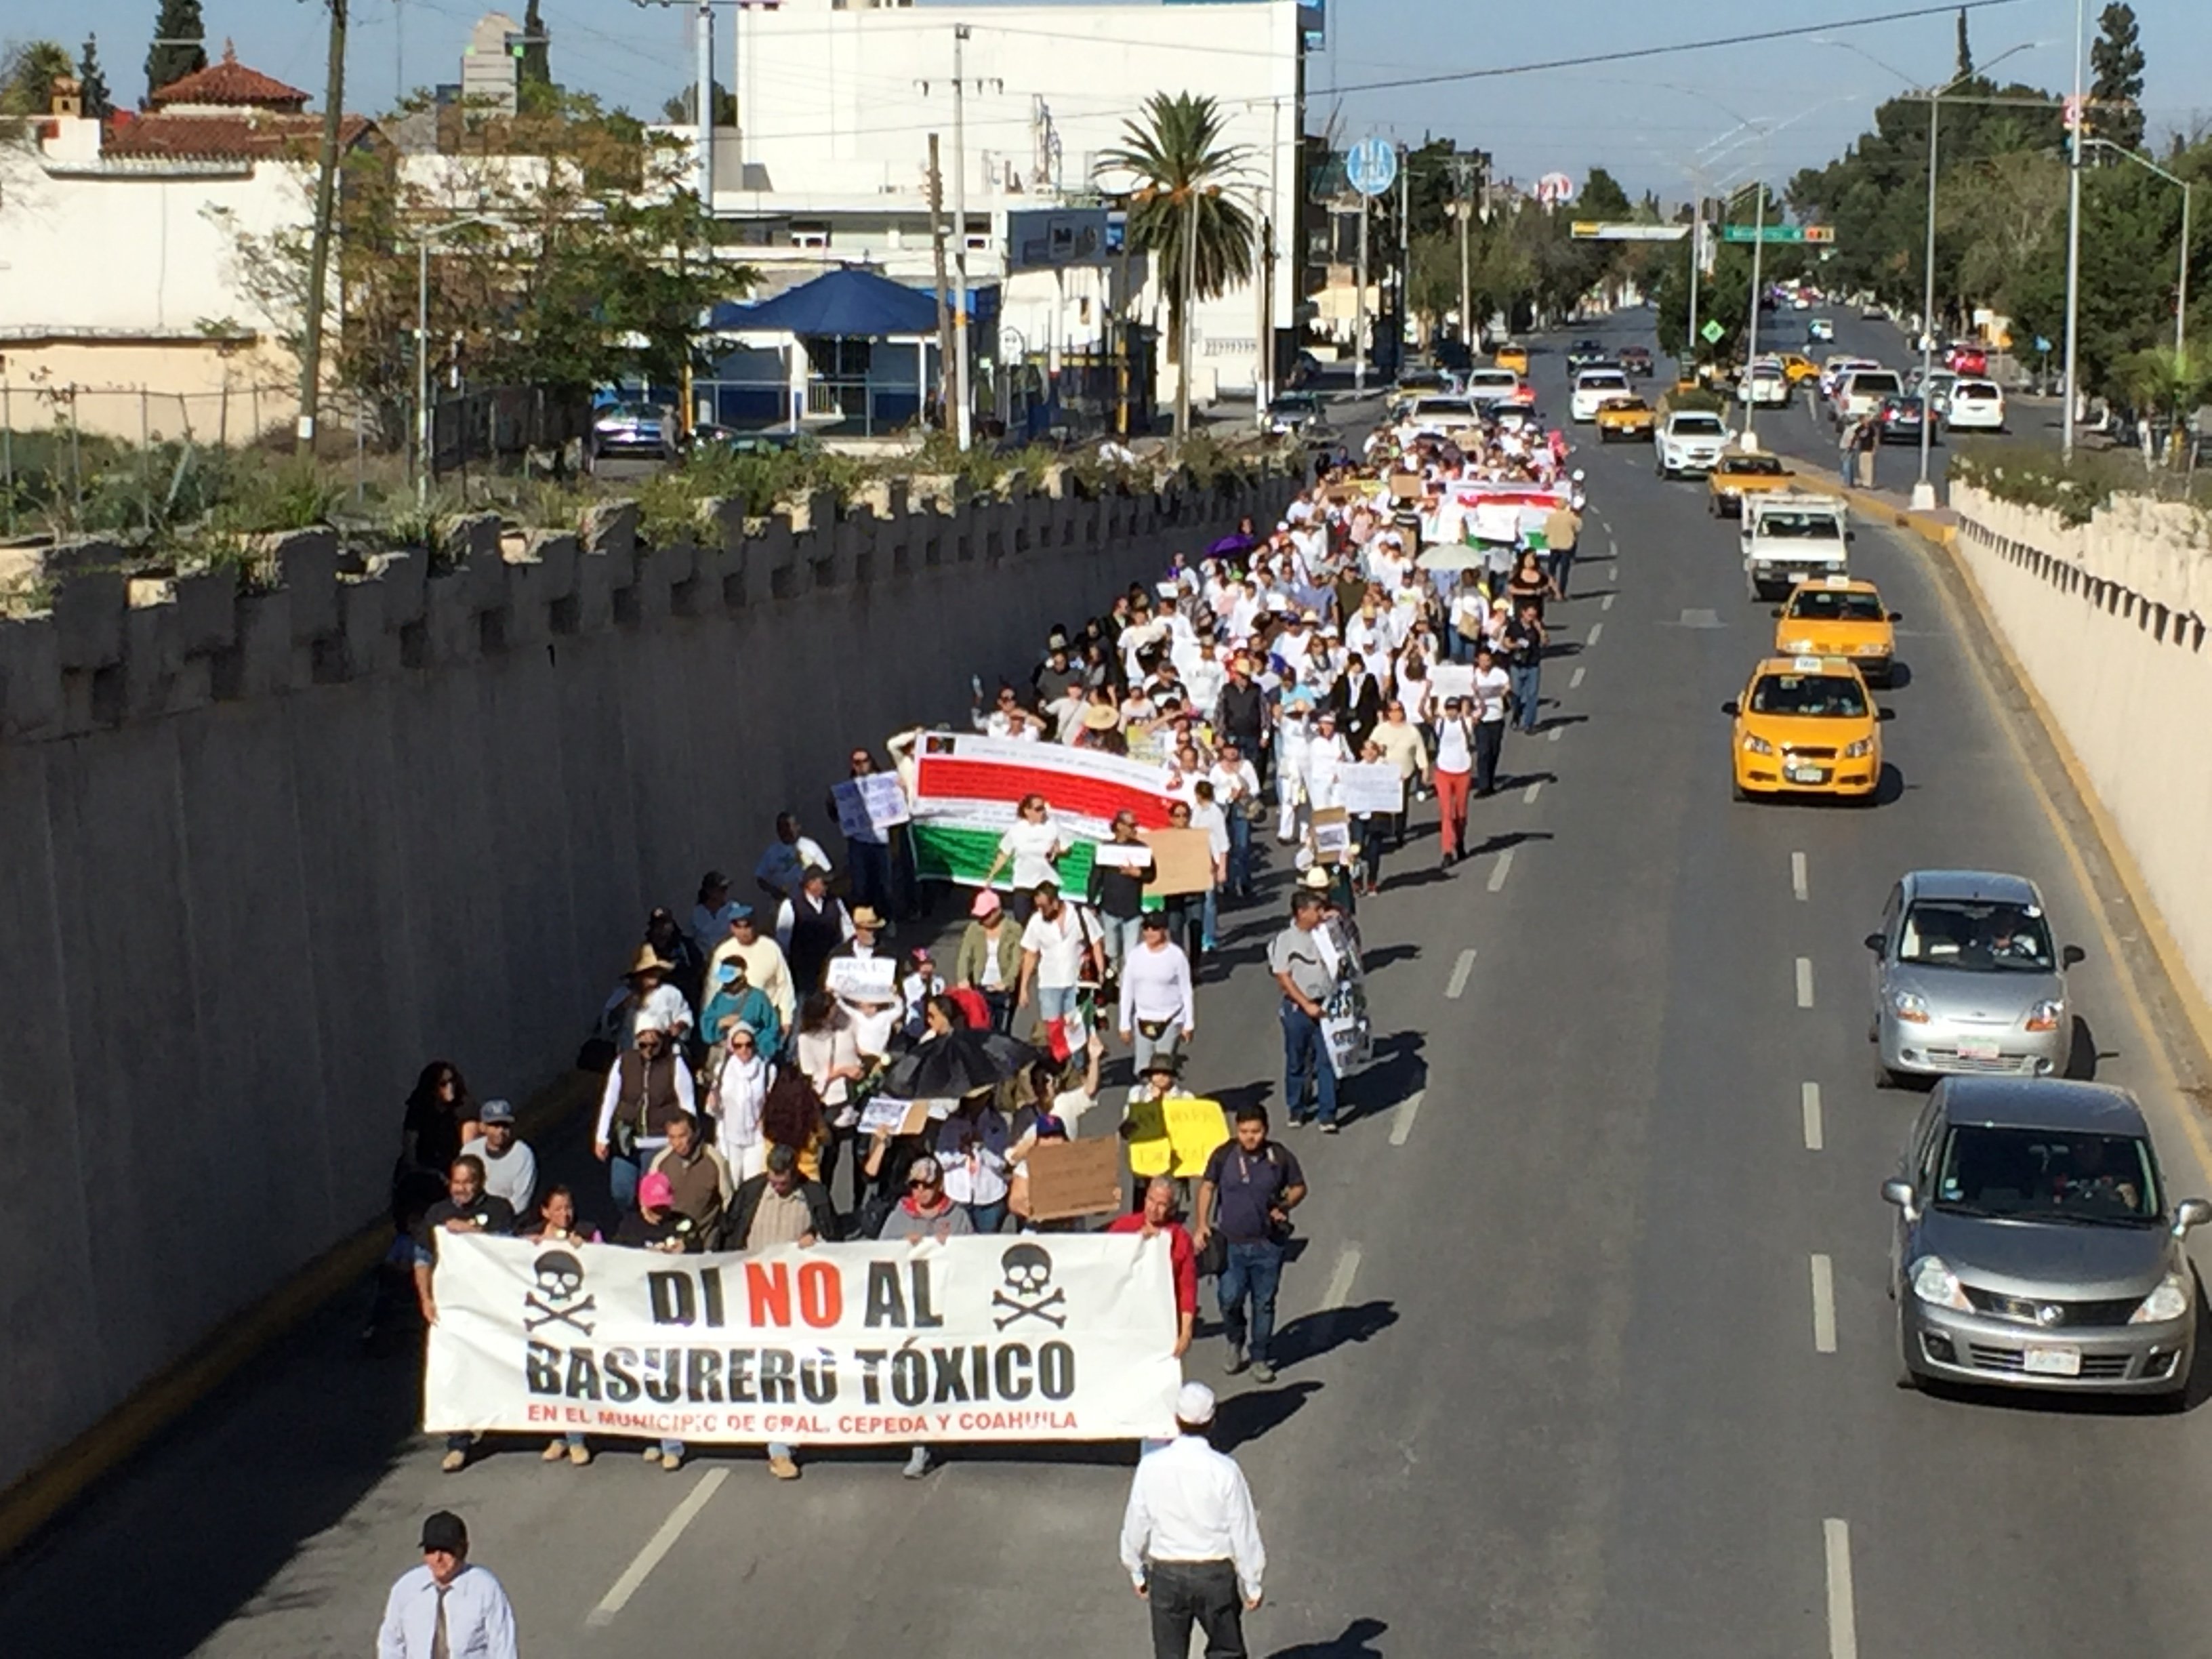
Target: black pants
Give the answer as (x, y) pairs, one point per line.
(1201, 1593)
(1489, 737)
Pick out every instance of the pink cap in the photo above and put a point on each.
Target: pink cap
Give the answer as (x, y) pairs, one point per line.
(654, 1192)
(986, 902)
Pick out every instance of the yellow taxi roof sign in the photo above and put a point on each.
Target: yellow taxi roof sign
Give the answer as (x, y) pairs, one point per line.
(1808, 665)
(1838, 581)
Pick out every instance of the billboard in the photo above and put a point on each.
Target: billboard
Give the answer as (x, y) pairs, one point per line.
(1056, 239)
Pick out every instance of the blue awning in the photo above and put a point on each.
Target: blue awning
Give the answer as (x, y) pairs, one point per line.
(850, 303)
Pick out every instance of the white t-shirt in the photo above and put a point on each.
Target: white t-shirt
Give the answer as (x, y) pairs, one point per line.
(1059, 946)
(514, 1177)
(1455, 751)
(780, 864)
(1491, 687)
(1030, 847)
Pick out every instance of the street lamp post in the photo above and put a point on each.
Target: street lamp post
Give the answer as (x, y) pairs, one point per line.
(2075, 113)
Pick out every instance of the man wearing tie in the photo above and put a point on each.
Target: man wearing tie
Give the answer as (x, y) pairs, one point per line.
(446, 1608)
(1190, 1539)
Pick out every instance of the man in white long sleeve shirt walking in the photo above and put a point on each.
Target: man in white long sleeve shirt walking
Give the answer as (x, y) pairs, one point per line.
(447, 1607)
(1158, 1014)
(1190, 1538)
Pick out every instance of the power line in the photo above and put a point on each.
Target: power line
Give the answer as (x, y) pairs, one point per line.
(1630, 53)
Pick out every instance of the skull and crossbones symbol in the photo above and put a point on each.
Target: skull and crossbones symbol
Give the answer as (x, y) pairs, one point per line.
(1029, 1273)
(560, 1276)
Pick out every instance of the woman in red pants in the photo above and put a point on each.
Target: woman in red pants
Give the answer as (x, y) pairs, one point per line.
(1455, 772)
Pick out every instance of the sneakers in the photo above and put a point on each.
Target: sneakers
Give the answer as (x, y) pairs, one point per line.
(454, 1462)
(554, 1451)
(672, 1461)
(1235, 1362)
(917, 1465)
(1262, 1371)
(651, 1454)
(579, 1454)
(782, 1467)
(1329, 1127)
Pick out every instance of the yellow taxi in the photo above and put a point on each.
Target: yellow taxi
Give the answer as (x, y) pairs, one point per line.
(1739, 473)
(1796, 365)
(1839, 616)
(1806, 725)
(1625, 418)
(1515, 357)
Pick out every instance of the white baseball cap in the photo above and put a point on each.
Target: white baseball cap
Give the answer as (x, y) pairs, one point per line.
(1194, 1405)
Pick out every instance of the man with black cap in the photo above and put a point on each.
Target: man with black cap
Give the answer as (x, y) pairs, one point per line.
(510, 1167)
(447, 1607)
(1190, 1538)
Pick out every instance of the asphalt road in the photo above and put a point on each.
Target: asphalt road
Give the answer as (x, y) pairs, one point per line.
(1557, 1380)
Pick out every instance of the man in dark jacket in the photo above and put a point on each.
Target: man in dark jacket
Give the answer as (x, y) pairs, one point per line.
(780, 1206)
(1242, 713)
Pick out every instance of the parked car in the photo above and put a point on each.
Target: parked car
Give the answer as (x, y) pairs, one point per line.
(634, 432)
(1305, 369)
(2035, 1245)
(1295, 414)
(1901, 419)
(1862, 391)
(1967, 978)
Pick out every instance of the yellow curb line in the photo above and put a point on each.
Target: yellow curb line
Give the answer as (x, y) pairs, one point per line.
(2115, 849)
(38, 1497)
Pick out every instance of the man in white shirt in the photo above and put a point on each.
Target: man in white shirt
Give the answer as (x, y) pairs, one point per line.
(447, 1608)
(1494, 686)
(510, 1167)
(1190, 1538)
(1236, 790)
(1059, 942)
(781, 868)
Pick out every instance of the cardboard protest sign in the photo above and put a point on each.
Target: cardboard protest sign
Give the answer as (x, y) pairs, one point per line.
(868, 806)
(1373, 786)
(862, 979)
(899, 1117)
(1074, 1178)
(1183, 861)
(1173, 1136)
(1332, 834)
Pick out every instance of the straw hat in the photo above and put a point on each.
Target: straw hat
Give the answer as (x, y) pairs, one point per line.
(1101, 718)
(649, 961)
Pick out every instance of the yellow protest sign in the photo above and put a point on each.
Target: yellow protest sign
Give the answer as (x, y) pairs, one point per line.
(1173, 1136)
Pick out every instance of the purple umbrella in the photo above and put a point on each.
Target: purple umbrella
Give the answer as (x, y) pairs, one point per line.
(1230, 547)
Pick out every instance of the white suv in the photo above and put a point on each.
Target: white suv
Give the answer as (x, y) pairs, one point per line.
(1592, 387)
(1690, 441)
(1976, 407)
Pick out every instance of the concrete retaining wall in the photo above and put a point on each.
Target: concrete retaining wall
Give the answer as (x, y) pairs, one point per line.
(2109, 621)
(263, 854)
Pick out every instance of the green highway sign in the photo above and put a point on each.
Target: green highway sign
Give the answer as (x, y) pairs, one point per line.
(1712, 332)
(1814, 233)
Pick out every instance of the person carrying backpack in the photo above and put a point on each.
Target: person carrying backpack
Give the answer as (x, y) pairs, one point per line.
(1245, 1198)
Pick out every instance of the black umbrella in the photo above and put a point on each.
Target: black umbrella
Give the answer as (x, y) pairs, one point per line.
(957, 1064)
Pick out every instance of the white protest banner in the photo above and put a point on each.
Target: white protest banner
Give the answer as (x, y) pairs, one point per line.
(1113, 856)
(862, 979)
(1051, 1337)
(867, 807)
(1450, 679)
(1372, 786)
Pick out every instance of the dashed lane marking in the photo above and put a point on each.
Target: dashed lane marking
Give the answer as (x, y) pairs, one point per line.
(1401, 1121)
(1460, 969)
(1497, 871)
(1843, 1618)
(1824, 1305)
(1797, 883)
(641, 1567)
(1528, 795)
(1596, 631)
(1804, 982)
(1606, 604)
(1340, 1282)
(1575, 683)
(1809, 1101)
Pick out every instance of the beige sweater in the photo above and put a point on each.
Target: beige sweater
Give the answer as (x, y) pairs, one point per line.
(1403, 744)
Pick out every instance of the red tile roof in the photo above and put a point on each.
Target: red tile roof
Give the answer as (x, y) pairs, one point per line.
(247, 137)
(229, 82)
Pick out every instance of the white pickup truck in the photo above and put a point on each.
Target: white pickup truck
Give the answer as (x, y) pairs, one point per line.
(1689, 441)
(1790, 539)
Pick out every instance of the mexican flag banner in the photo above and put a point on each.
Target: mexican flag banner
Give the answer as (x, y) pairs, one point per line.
(966, 789)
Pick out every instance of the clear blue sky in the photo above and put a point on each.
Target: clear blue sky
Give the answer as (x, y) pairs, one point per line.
(1641, 119)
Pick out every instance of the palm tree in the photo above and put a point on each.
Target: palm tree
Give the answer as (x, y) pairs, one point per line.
(27, 74)
(1180, 213)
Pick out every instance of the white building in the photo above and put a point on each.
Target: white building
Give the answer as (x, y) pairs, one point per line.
(837, 102)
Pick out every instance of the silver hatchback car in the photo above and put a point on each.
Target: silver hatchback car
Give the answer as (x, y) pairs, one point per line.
(1967, 978)
(2033, 1245)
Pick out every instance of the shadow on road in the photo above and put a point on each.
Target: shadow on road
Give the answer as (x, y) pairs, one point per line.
(1358, 1642)
(1243, 1417)
(1311, 1335)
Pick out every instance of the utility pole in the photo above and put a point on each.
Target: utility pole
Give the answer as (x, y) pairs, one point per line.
(937, 258)
(1923, 489)
(1697, 259)
(2077, 112)
(319, 252)
(703, 42)
(1463, 210)
(1751, 345)
(963, 420)
(1359, 308)
(1405, 251)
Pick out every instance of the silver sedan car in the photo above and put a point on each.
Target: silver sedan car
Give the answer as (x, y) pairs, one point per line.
(1966, 979)
(2035, 1247)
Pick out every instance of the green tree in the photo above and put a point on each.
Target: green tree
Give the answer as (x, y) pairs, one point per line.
(98, 104)
(27, 74)
(678, 109)
(177, 50)
(1179, 173)
(537, 64)
(2116, 60)
(592, 269)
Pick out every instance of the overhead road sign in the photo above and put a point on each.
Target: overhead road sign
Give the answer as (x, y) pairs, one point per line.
(1623, 230)
(1819, 234)
(1371, 166)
